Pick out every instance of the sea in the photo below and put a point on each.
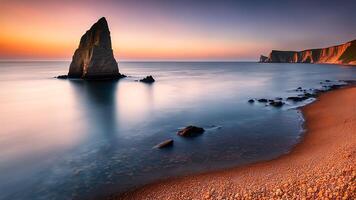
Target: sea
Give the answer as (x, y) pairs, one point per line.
(76, 139)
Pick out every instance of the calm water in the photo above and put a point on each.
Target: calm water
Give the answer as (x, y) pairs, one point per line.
(72, 139)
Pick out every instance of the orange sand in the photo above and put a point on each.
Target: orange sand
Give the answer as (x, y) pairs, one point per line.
(322, 166)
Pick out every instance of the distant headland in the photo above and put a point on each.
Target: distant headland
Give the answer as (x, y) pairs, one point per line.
(339, 54)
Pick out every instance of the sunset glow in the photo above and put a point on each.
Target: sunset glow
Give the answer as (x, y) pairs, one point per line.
(152, 31)
(177, 99)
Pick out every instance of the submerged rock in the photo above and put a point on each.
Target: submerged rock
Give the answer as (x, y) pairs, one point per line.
(299, 89)
(148, 79)
(190, 131)
(94, 58)
(297, 98)
(164, 144)
(309, 95)
(333, 87)
(277, 103)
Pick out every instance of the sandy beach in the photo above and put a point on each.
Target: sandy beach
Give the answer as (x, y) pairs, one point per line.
(322, 166)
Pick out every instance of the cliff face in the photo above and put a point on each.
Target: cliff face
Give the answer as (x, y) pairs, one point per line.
(94, 58)
(340, 54)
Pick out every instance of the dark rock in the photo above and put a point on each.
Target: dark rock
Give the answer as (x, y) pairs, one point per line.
(148, 79)
(190, 131)
(263, 59)
(263, 100)
(333, 87)
(297, 98)
(251, 101)
(299, 89)
(277, 103)
(94, 58)
(349, 81)
(327, 81)
(309, 95)
(279, 98)
(165, 144)
(62, 77)
(316, 91)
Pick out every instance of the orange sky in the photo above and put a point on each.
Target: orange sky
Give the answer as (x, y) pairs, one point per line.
(152, 30)
(52, 31)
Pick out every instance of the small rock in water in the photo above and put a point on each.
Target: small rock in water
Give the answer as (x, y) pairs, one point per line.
(277, 104)
(263, 100)
(309, 95)
(335, 86)
(148, 79)
(190, 131)
(62, 77)
(297, 98)
(164, 144)
(251, 101)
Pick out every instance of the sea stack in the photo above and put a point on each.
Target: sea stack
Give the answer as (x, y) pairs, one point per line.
(94, 58)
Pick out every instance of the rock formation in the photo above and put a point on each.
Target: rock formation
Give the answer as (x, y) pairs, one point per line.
(148, 79)
(190, 131)
(94, 58)
(164, 144)
(340, 54)
(263, 58)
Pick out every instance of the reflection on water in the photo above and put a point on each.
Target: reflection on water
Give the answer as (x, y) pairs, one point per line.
(73, 139)
(97, 101)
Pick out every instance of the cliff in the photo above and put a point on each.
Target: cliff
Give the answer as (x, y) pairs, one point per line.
(340, 54)
(94, 58)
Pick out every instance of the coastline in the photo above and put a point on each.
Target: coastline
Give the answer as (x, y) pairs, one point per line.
(321, 165)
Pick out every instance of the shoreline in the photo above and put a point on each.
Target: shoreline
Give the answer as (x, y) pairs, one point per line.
(320, 165)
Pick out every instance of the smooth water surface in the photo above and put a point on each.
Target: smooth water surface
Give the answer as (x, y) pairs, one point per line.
(74, 139)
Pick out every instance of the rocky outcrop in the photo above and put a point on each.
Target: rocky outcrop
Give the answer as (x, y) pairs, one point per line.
(164, 144)
(340, 54)
(94, 58)
(190, 131)
(263, 58)
(148, 79)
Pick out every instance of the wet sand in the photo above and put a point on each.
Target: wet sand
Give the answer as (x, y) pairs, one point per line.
(321, 166)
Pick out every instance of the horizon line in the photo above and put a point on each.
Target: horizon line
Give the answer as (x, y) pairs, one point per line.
(66, 60)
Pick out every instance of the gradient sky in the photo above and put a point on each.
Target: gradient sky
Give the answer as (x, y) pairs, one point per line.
(175, 30)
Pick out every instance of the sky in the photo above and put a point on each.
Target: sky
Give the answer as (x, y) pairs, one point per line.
(174, 30)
